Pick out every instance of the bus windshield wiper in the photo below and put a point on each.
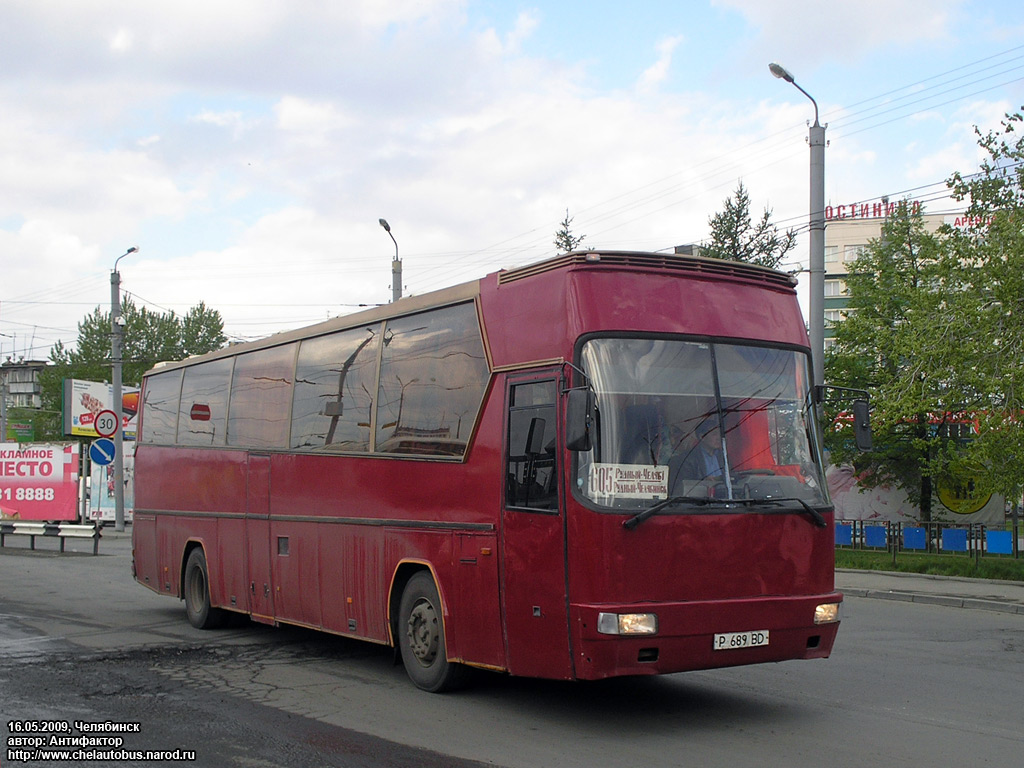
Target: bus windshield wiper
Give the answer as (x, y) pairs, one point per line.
(703, 501)
(638, 518)
(816, 516)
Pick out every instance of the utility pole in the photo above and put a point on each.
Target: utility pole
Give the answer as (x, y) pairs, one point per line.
(396, 265)
(3, 408)
(816, 138)
(116, 331)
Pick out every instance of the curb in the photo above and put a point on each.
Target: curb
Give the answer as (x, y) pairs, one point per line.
(929, 576)
(949, 601)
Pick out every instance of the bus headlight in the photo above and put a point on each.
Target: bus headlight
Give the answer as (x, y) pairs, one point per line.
(627, 623)
(826, 613)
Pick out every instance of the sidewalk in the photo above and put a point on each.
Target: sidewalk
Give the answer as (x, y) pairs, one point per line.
(979, 594)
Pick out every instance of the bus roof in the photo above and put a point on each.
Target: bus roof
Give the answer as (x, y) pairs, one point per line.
(695, 266)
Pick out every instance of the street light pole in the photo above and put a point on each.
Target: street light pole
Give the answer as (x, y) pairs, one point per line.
(396, 265)
(816, 139)
(116, 330)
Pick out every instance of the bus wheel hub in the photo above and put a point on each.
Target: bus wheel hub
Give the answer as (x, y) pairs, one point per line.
(423, 633)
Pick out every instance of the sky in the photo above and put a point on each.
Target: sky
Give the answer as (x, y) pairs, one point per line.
(248, 148)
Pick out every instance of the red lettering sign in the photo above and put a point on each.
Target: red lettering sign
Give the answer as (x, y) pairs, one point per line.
(39, 482)
(877, 210)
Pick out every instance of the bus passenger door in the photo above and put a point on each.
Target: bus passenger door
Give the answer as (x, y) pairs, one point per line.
(257, 537)
(534, 601)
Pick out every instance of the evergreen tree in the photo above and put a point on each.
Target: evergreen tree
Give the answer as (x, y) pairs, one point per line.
(565, 240)
(735, 237)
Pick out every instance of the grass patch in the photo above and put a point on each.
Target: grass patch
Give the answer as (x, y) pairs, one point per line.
(940, 565)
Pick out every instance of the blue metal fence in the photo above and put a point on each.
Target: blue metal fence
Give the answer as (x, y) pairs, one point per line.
(973, 539)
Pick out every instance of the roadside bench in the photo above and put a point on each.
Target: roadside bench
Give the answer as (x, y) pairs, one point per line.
(63, 531)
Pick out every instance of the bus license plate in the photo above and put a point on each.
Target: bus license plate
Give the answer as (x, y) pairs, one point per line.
(732, 640)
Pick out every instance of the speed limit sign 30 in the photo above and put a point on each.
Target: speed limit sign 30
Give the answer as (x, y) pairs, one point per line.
(106, 423)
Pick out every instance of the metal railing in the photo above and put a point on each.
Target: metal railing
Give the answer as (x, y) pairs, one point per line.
(975, 540)
(61, 531)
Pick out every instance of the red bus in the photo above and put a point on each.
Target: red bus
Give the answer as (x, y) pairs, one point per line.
(503, 475)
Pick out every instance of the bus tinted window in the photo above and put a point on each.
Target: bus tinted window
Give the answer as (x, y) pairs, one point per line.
(160, 408)
(334, 382)
(531, 472)
(202, 416)
(433, 375)
(261, 398)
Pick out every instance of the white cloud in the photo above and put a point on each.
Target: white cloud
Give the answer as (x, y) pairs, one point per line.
(526, 23)
(225, 119)
(87, 189)
(249, 146)
(304, 116)
(833, 31)
(122, 41)
(490, 42)
(657, 72)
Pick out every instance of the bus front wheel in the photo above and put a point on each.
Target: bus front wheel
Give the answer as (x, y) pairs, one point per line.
(421, 637)
(201, 613)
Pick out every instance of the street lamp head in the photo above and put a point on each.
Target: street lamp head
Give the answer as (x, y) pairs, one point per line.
(384, 223)
(780, 72)
(133, 249)
(783, 74)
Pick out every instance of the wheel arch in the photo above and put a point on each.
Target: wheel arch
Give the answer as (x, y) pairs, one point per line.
(404, 571)
(186, 551)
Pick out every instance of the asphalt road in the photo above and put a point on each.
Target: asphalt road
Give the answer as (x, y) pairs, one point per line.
(909, 684)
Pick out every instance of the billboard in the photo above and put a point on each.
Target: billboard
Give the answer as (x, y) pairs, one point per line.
(101, 491)
(19, 431)
(854, 501)
(39, 481)
(84, 399)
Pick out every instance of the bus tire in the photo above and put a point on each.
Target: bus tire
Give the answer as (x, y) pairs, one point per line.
(201, 613)
(421, 637)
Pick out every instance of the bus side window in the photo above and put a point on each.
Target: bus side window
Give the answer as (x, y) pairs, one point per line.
(159, 419)
(261, 398)
(332, 405)
(531, 447)
(433, 374)
(203, 410)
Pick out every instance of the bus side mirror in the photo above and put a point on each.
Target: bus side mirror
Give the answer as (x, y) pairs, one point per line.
(579, 416)
(862, 425)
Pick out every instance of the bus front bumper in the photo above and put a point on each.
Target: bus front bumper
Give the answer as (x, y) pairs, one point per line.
(701, 634)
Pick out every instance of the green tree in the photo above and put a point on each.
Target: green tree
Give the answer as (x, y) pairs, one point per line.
(149, 337)
(565, 240)
(991, 253)
(936, 332)
(900, 340)
(734, 235)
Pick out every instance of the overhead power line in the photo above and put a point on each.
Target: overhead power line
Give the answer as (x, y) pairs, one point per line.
(649, 199)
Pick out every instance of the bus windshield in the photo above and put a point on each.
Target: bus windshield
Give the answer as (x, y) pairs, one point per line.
(699, 420)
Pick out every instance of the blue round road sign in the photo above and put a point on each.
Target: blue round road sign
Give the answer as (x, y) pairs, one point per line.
(102, 451)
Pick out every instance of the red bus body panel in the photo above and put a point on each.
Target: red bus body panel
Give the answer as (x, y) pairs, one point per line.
(321, 540)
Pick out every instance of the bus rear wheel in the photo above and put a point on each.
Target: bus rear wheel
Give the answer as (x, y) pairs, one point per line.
(201, 613)
(421, 637)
